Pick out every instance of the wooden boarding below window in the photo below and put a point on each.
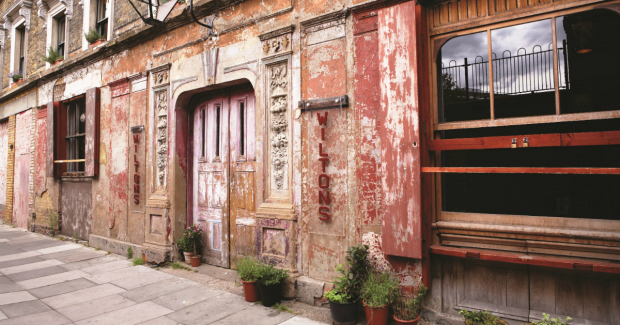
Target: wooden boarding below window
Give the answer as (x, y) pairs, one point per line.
(523, 170)
(519, 258)
(530, 141)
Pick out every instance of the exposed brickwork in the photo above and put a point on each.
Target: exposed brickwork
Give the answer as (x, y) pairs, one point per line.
(6, 67)
(36, 42)
(75, 27)
(124, 14)
(10, 169)
(33, 128)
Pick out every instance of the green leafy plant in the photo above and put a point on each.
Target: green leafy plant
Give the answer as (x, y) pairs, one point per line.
(177, 266)
(380, 289)
(247, 268)
(193, 236)
(481, 317)
(138, 261)
(408, 308)
(185, 244)
(92, 36)
(15, 76)
(96, 248)
(52, 56)
(282, 308)
(75, 236)
(52, 217)
(129, 252)
(348, 285)
(552, 321)
(268, 275)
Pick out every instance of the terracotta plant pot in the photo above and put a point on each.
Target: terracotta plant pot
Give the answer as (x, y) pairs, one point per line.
(407, 322)
(188, 257)
(251, 291)
(15, 83)
(97, 42)
(344, 314)
(270, 295)
(196, 261)
(376, 316)
(57, 61)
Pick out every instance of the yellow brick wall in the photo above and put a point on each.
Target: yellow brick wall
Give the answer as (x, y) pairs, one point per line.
(8, 217)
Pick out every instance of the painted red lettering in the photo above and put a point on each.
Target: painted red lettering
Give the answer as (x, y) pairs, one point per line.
(326, 178)
(321, 153)
(136, 178)
(322, 119)
(323, 162)
(324, 198)
(135, 138)
(324, 212)
(136, 198)
(136, 188)
(322, 133)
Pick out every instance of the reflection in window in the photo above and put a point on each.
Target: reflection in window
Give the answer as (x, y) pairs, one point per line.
(588, 68)
(523, 82)
(463, 85)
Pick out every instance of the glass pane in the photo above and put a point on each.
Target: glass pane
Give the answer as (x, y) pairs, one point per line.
(523, 70)
(463, 85)
(217, 132)
(242, 128)
(588, 67)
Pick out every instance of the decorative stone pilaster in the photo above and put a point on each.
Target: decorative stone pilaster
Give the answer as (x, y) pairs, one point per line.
(43, 11)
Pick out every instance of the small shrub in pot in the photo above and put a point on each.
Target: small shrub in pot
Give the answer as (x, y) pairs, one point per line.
(481, 317)
(270, 283)
(407, 308)
(247, 269)
(379, 291)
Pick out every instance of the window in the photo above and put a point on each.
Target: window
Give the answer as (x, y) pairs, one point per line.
(60, 22)
(531, 71)
(75, 137)
(101, 19)
(20, 49)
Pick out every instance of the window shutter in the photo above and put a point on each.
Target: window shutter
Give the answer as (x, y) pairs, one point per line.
(53, 109)
(91, 167)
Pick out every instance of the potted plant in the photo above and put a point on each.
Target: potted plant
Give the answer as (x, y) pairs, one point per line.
(52, 56)
(407, 308)
(17, 77)
(379, 291)
(552, 321)
(247, 268)
(270, 283)
(481, 317)
(186, 247)
(194, 238)
(94, 38)
(343, 299)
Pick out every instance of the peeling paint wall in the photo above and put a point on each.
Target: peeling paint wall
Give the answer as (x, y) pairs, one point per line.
(4, 146)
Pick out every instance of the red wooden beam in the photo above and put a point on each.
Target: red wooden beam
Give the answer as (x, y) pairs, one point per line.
(519, 258)
(522, 170)
(533, 140)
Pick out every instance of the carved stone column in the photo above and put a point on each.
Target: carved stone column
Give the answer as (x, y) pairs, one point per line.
(158, 224)
(276, 219)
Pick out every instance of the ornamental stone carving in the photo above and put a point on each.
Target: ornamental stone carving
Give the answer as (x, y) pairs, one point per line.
(277, 41)
(161, 115)
(278, 102)
(42, 12)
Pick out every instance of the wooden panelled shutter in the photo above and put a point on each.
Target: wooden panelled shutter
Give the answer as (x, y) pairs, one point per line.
(53, 111)
(91, 167)
(401, 180)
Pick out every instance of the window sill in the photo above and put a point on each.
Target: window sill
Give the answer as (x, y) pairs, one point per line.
(527, 259)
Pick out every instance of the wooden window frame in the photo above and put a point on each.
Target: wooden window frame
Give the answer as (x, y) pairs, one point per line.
(547, 241)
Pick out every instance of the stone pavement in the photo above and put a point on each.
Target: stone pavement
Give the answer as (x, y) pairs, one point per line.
(48, 281)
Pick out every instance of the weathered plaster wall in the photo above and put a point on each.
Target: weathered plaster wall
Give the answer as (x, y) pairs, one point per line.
(4, 148)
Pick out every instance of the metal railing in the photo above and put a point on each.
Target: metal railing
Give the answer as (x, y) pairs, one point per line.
(512, 75)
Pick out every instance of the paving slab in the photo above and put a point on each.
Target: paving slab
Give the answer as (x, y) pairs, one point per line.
(140, 280)
(80, 265)
(7, 285)
(61, 288)
(17, 256)
(186, 297)
(51, 317)
(96, 307)
(300, 321)
(52, 279)
(17, 277)
(59, 248)
(101, 278)
(211, 310)
(83, 295)
(159, 289)
(29, 267)
(20, 261)
(34, 243)
(80, 255)
(163, 320)
(2, 316)
(256, 315)
(107, 267)
(15, 297)
(129, 316)
(10, 250)
(3, 240)
(62, 254)
(24, 308)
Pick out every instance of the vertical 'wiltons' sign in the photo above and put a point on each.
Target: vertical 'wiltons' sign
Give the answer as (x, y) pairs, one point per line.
(136, 175)
(324, 198)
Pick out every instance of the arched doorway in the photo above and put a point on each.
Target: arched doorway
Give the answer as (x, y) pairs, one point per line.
(222, 172)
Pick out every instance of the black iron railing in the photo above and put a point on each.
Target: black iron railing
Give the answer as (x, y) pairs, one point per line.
(512, 75)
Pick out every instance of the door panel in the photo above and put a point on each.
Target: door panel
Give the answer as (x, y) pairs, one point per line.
(22, 168)
(211, 172)
(243, 171)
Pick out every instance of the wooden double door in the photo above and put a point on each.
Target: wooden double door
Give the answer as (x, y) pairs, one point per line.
(224, 174)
